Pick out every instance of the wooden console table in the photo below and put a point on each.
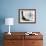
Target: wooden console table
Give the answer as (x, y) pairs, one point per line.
(20, 39)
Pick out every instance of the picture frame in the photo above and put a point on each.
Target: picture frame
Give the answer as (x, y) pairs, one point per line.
(27, 16)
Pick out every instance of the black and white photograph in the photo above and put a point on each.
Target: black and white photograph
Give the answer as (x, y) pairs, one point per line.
(27, 15)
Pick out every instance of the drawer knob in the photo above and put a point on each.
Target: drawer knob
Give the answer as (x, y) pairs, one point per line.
(33, 42)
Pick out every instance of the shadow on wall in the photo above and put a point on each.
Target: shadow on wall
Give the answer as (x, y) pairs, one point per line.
(2, 21)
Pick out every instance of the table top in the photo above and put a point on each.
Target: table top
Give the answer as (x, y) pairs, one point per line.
(22, 33)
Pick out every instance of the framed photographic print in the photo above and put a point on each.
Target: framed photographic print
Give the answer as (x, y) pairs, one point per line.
(27, 15)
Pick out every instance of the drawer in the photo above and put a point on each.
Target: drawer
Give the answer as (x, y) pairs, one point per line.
(9, 43)
(34, 37)
(37, 43)
(13, 43)
(33, 43)
(16, 37)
